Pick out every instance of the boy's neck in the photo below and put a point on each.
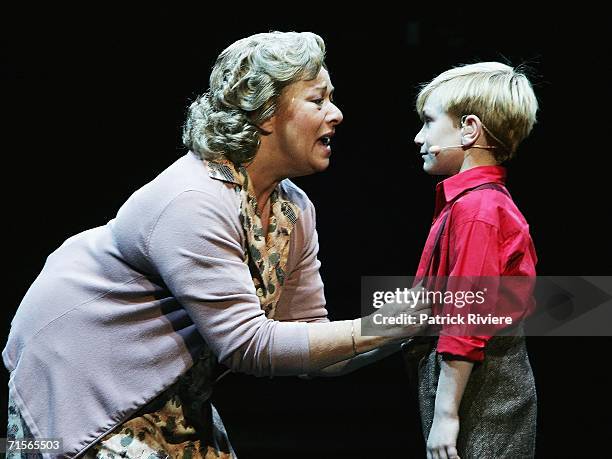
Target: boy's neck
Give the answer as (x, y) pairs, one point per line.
(477, 157)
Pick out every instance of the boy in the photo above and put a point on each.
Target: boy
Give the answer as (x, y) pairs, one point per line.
(476, 393)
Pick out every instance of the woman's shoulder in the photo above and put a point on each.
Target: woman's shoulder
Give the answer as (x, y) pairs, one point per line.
(185, 193)
(188, 176)
(296, 195)
(187, 173)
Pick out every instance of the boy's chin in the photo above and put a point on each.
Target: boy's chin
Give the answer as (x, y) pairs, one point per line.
(431, 169)
(436, 169)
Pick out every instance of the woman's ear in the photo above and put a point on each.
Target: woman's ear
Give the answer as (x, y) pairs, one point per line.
(267, 127)
(471, 130)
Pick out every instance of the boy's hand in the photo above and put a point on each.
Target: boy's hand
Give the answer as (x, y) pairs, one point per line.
(442, 440)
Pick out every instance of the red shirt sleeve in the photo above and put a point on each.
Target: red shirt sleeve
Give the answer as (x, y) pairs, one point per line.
(473, 251)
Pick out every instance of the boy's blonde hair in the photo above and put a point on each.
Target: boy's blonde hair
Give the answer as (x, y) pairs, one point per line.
(501, 96)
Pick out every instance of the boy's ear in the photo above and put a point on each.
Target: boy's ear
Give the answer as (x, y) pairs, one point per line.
(471, 130)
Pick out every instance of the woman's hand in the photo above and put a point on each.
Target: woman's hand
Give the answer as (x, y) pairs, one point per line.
(337, 341)
(442, 441)
(399, 320)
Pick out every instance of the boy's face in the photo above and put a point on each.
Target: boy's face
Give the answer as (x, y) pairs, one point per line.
(439, 129)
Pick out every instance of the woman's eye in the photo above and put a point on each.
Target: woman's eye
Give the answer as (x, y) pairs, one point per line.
(319, 101)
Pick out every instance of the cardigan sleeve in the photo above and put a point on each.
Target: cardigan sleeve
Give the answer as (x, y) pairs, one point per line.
(196, 248)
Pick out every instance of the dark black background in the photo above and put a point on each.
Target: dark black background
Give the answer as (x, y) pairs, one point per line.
(93, 102)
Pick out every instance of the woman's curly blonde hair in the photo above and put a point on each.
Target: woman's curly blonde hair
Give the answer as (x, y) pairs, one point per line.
(245, 84)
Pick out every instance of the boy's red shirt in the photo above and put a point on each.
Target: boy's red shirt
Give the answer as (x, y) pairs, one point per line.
(485, 235)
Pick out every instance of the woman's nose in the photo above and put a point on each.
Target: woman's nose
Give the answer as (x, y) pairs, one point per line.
(334, 116)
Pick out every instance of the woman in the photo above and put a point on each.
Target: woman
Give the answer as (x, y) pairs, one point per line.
(115, 346)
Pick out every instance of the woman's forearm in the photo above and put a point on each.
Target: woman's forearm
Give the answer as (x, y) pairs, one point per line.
(291, 348)
(347, 366)
(333, 342)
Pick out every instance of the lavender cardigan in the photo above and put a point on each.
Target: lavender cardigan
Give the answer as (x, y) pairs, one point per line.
(119, 311)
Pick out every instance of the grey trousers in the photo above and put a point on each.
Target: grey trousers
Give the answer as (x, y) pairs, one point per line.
(497, 416)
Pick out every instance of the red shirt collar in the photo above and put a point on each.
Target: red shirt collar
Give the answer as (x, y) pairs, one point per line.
(448, 189)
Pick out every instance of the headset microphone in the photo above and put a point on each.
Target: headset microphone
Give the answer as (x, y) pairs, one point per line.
(435, 149)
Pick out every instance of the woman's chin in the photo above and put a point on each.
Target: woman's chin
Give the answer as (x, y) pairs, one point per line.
(320, 164)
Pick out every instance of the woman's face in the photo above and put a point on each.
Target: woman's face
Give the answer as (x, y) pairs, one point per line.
(304, 124)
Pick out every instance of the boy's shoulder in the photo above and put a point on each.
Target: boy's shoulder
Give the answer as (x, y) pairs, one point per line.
(489, 206)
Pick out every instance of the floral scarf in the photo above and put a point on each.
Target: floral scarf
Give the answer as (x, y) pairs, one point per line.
(265, 254)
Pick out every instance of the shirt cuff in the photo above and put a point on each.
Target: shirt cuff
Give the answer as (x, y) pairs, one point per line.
(468, 347)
